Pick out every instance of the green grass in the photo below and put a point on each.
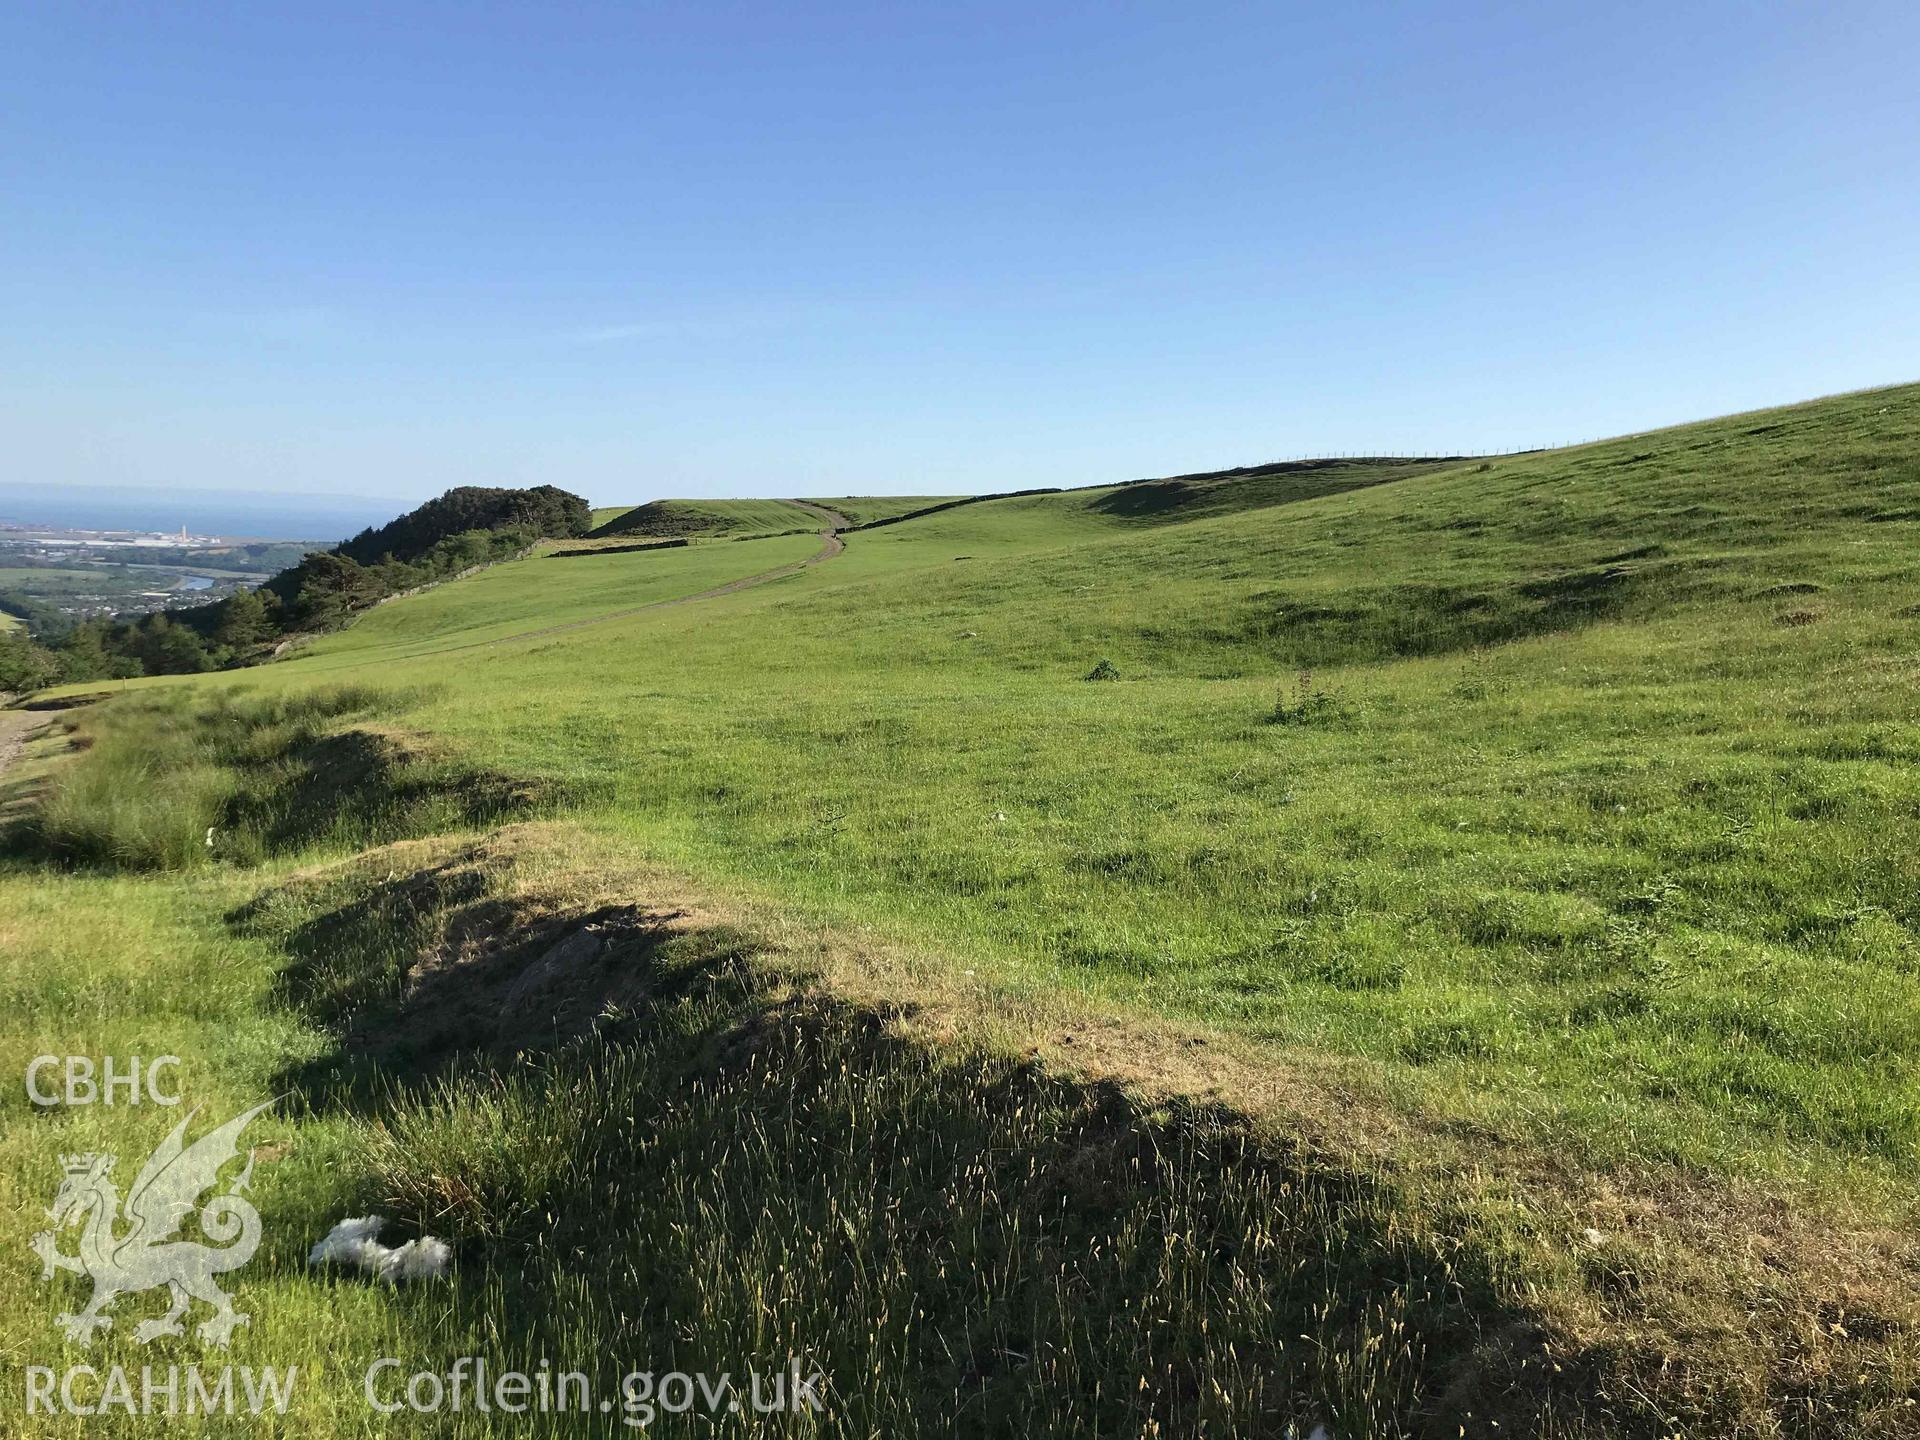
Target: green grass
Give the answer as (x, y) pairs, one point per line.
(1255, 487)
(1197, 885)
(11, 575)
(237, 780)
(733, 519)
(711, 519)
(536, 594)
(1558, 810)
(865, 509)
(985, 1242)
(1586, 836)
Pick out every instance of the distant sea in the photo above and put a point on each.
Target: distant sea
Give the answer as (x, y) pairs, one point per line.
(233, 515)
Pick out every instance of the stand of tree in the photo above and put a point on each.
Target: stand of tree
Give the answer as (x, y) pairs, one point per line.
(466, 527)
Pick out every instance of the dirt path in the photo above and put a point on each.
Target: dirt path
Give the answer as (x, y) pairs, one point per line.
(14, 726)
(835, 520)
(830, 545)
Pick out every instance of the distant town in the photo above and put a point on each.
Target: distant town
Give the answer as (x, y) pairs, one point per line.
(52, 575)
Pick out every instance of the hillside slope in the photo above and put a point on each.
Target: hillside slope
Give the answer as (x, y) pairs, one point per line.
(866, 509)
(1255, 487)
(709, 519)
(1537, 684)
(1465, 914)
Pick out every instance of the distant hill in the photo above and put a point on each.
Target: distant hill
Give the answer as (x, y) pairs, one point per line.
(1175, 497)
(737, 519)
(710, 519)
(545, 509)
(867, 509)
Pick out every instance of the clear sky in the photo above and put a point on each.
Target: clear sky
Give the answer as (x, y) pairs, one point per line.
(773, 249)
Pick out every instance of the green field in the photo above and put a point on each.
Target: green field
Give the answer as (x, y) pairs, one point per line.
(58, 582)
(546, 590)
(1406, 945)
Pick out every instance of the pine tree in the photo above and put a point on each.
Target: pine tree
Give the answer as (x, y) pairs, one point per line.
(244, 621)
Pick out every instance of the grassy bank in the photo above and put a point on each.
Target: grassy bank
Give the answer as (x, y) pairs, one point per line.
(685, 1153)
(703, 1144)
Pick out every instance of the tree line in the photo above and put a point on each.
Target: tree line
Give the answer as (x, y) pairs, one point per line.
(468, 526)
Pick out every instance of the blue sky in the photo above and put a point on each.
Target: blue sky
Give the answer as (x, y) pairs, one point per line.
(777, 249)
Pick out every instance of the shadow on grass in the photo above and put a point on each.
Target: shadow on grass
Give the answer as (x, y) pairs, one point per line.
(363, 787)
(1252, 487)
(644, 1145)
(431, 974)
(1435, 618)
(673, 544)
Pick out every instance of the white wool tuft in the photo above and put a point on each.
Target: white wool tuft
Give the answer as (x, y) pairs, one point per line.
(363, 1227)
(352, 1243)
(424, 1259)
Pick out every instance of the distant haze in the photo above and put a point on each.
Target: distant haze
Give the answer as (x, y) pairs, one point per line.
(229, 513)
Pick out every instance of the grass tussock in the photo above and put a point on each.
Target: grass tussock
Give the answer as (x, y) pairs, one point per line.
(163, 784)
(948, 1241)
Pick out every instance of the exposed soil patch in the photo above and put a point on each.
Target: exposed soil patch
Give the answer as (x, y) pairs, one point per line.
(15, 726)
(835, 520)
(537, 985)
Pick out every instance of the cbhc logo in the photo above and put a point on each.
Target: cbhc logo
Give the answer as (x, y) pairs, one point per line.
(88, 1084)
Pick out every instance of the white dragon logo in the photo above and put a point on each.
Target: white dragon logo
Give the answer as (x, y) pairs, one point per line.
(148, 1255)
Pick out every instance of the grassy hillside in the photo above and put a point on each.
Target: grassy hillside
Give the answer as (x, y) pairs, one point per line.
(546, 590)
(1543, 694)
(865, 509)
(733, 519)
(1491, 888)
(710, 519)
(1254, 487)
